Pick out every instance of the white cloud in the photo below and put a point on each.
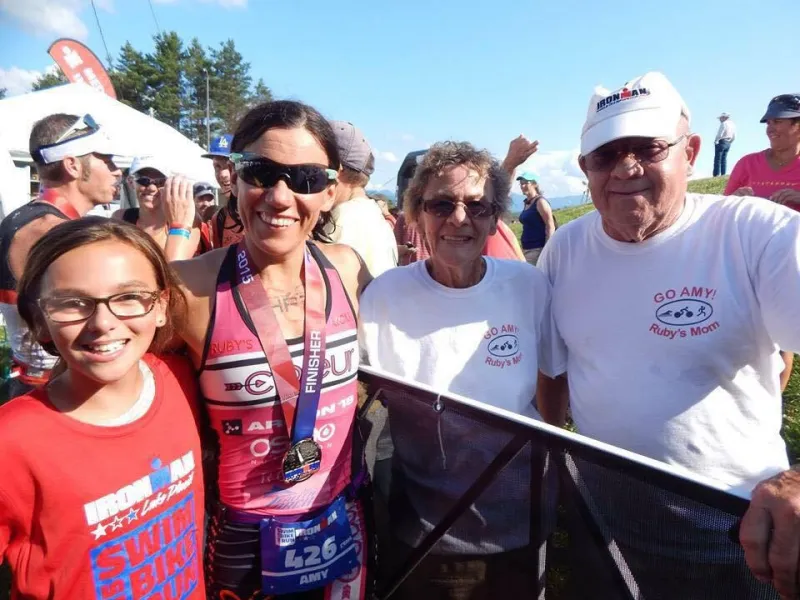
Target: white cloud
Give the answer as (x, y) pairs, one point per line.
(47, 18)
(558, 172)
(19, 81)
(387, 156)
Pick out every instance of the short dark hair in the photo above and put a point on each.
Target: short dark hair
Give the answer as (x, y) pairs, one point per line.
(45, 132)
(289, 114)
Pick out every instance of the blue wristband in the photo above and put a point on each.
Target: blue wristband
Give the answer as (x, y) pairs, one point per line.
(187, 233)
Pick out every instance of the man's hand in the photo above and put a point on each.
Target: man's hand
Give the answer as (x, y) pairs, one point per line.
(744, 191)
(786, 196)
(519, 150)
(770, 532)
(178, 201)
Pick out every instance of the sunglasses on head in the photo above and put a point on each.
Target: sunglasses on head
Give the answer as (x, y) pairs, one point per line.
(444, 208)
(85, 124)
(145, 181)
(262, 172)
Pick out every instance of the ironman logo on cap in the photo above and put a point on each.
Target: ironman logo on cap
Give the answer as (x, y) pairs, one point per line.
(621, 96)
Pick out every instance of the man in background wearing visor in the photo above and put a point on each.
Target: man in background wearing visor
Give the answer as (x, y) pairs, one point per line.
(73, 158)
(226, 225)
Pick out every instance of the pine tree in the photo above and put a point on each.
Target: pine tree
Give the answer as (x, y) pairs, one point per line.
(166, 82)
(48, 80)
(230, 86)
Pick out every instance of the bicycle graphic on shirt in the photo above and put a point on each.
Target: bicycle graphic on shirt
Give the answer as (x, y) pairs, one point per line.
(687, 311)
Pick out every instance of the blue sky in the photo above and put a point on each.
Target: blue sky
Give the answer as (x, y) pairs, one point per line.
(413, 72)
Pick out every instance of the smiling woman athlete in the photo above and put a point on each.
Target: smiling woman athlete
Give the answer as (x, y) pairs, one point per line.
(101, 494)
(274, 338)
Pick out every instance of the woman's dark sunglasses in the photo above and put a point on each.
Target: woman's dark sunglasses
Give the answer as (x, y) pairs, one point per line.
(145, 181)
(651, 151)
(445, 208)
(262, 172)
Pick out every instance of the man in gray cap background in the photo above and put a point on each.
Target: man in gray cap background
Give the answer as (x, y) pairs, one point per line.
(358, 222)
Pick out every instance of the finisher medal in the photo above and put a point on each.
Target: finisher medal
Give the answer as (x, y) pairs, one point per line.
(301, 461)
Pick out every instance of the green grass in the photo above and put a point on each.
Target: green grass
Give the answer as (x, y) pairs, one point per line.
(791, 397)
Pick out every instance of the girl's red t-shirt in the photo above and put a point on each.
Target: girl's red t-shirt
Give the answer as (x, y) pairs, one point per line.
(95, 512)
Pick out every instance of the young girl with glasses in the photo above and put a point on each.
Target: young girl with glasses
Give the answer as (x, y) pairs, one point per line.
(101, 488)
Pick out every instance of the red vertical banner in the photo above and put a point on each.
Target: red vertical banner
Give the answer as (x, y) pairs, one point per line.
(78, 63)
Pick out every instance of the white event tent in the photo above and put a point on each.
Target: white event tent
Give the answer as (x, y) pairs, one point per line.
(133, 132)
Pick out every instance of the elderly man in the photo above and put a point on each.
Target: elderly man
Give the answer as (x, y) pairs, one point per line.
(672, 307)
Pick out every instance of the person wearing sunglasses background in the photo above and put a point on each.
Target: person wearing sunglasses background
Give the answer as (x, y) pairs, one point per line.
(672, 306)
(101, 485)
(469, 324)
(149, 176)
(273, 335)
(73, 157)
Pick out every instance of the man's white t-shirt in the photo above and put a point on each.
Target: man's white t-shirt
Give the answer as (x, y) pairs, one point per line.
(360, 224)
(673, 342)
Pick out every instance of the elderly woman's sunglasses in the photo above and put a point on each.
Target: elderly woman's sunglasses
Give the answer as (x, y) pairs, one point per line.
(262, 172)
(444, 208)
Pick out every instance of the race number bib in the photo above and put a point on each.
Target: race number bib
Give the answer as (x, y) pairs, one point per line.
(301, 556)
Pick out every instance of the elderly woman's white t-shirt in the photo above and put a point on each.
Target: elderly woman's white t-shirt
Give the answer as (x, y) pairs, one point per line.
(486, 342)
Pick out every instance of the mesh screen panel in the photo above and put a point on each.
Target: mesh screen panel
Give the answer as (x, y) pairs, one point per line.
(592, 523)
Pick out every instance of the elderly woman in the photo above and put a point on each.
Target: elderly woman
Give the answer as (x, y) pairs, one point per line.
(473, 325)
(774, 173)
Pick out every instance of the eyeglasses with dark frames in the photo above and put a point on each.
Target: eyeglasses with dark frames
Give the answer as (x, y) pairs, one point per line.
(72, 309)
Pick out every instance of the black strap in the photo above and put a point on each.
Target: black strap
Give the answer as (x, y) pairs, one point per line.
(131, 215)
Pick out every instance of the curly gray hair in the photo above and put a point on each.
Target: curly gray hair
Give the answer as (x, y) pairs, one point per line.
(443, 155)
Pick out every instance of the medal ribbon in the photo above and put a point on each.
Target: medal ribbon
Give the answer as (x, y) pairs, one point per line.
(52, 198)
(298, 399)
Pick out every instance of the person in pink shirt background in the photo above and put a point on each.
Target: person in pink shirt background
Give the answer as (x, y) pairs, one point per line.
(773, 173)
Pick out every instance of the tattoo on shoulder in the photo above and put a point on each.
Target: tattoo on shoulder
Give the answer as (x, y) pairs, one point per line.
(283, 301)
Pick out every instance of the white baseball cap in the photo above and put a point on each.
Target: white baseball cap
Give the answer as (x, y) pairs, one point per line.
(648, 106)
(150, 162)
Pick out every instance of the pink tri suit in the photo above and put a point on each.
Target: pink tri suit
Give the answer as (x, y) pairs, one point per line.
(246, 415)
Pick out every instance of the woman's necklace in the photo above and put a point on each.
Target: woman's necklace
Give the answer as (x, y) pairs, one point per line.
(781, 163)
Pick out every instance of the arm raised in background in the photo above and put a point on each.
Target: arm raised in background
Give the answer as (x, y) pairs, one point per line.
(519, 150)
(179, 210)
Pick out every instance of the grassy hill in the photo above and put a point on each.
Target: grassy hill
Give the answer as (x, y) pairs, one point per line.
(791, 397)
